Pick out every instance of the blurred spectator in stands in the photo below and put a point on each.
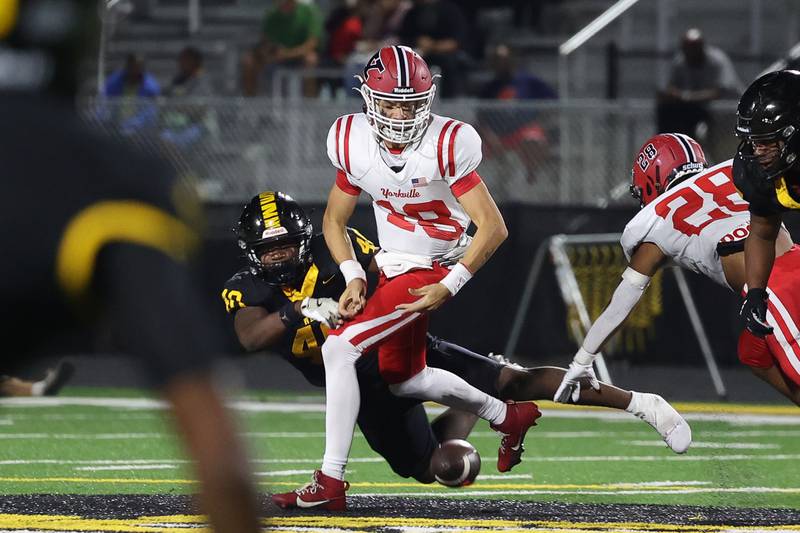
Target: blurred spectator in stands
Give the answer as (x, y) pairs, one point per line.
(344, 29)
(699, 74)
(137, 110)
(382, 20)
(437, 30)
(185, 122)
(290, 37)
(514, 131)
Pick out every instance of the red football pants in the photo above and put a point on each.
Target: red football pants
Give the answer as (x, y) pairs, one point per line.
(399, 336)
(783, 314)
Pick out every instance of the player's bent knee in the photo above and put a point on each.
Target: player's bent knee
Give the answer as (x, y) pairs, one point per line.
(335, 349)
(414, 386)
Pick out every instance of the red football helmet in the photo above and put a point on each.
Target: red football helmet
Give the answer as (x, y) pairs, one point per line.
(398, 74)
(662, 162)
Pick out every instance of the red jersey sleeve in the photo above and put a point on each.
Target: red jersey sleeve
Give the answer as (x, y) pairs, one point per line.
(344, 184)
(465, 184)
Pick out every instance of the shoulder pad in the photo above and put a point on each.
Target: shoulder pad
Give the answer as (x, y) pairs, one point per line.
(244, 289)
(458, 148)
(350, 143)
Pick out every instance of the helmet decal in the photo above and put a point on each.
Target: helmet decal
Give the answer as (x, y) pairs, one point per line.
(269, 210)
(374, 63)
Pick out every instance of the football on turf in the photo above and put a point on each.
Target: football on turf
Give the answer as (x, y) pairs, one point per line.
(455, 463)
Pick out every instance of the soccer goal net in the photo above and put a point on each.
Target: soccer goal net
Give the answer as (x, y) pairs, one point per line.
(587, 270)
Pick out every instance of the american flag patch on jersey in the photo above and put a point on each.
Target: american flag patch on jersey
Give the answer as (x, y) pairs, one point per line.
(419, 182)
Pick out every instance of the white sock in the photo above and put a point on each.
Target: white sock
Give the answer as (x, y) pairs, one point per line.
(342, 402)
(448, 389)
(634, 407)
(37, 388)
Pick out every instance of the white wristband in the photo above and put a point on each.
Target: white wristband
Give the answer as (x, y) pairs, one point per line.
(457, 278)
(352, 269)
(584, 357)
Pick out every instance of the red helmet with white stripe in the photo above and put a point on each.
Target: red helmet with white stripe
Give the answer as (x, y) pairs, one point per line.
(663, 161)
(398, 75)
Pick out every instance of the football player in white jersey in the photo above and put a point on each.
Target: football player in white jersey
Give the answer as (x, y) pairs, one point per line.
(694, 215)
(420, 171)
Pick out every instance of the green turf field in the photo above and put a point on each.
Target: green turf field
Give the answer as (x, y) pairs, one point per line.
(103, 441)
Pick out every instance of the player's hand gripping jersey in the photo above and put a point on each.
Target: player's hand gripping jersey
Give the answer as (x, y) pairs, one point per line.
(415, 203)
(694, 222)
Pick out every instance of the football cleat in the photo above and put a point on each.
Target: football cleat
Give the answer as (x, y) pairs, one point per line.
(672, 427)
(519, 418)
(57, 377)
(324, 492)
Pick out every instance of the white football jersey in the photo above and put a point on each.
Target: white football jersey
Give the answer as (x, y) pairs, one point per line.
(688, 221)
(416, 206)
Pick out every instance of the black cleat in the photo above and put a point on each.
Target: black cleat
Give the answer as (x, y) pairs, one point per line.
(57, 377)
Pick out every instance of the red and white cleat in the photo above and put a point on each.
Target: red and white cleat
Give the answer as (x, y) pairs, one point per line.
(324, 492)
(519, 418)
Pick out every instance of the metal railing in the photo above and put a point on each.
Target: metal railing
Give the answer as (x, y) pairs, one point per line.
(236, 147)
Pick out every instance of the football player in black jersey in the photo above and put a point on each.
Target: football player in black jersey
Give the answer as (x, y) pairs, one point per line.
(767, 173)
(92, 231)
(284, 299)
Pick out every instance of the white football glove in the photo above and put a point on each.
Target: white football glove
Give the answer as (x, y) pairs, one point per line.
(454, 256)
(325, 310)
(570, 387)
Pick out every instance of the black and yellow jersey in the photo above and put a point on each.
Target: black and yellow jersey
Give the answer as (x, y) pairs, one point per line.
(766, 197)
(90, 231)
(301, 346)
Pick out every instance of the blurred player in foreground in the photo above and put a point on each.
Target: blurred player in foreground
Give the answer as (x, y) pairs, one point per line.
(283, 300)
(52, 382)
(694, 215)
(90, 230)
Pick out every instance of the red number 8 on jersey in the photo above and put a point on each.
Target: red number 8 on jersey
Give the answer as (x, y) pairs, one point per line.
(428, 225)
(722, 193)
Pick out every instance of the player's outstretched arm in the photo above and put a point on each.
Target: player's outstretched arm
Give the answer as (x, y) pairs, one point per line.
(258, 329)
(759, 255)
(645, 262)
(334, 228)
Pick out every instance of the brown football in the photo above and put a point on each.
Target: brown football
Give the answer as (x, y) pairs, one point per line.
(455, 463)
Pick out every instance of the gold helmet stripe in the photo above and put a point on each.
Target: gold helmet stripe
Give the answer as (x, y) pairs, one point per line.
(269, 210)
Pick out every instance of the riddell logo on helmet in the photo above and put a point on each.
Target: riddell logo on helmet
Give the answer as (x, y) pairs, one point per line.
(403, 90)
(388, 193)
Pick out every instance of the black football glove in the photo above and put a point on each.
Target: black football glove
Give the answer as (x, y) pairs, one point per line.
(754, 312)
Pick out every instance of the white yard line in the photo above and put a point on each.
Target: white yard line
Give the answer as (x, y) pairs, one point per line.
(253, 406)
(466, 493)
(127, 466)
(487, 459)
(283, 473)
(85, 436)
(712, 445)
